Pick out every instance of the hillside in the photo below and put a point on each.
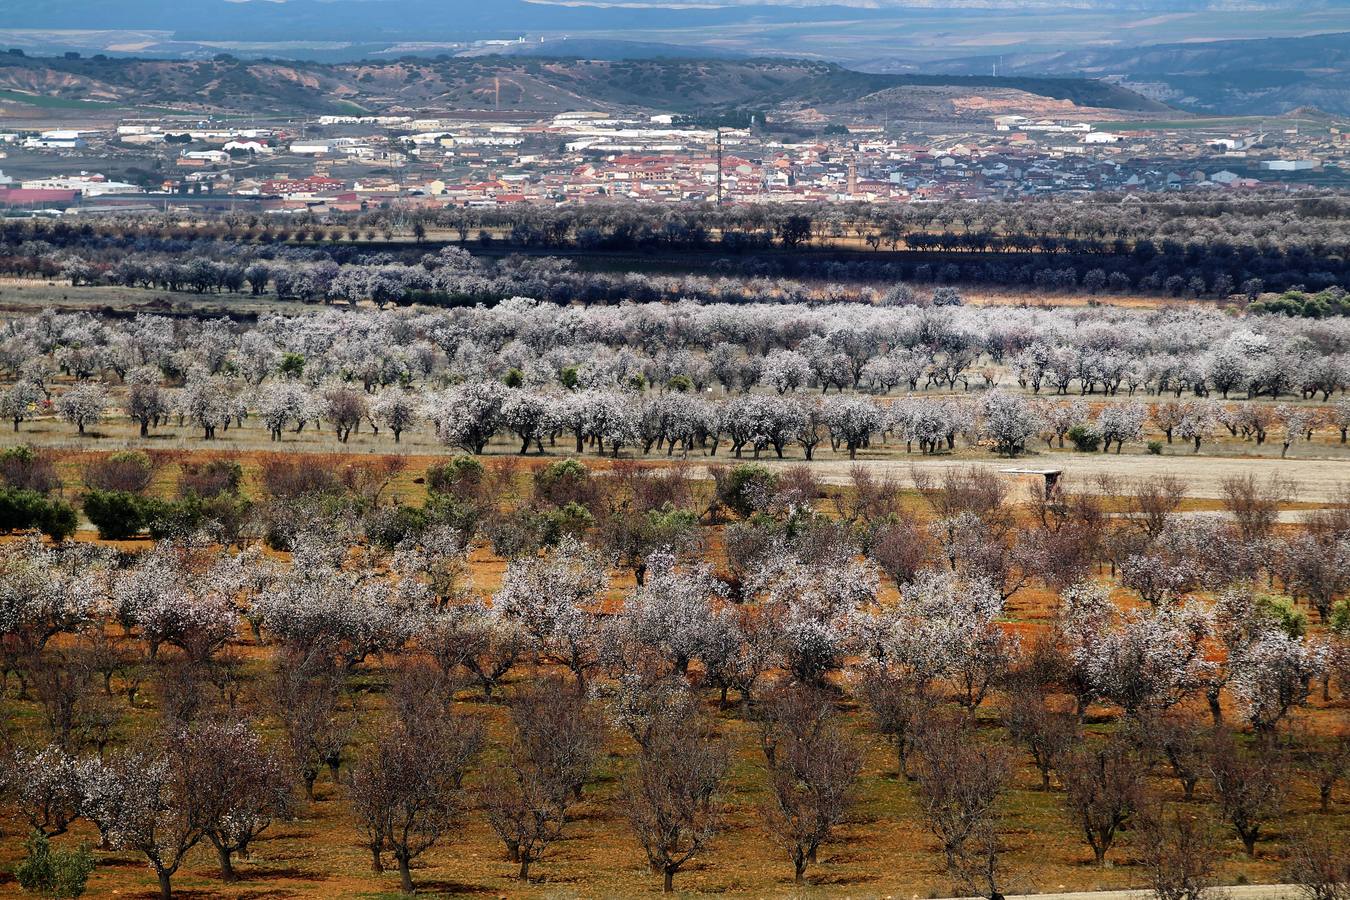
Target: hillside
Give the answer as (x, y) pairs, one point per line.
(537, 85)
(1264, 77)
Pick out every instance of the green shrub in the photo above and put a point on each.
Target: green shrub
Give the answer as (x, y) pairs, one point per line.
(569, 519)
(388, 526)
(58, 520)
(460, 515)
(23, 510)
(1085, 438)
(53, 873)
(516, 534)
(292, 365)
(118, 515)
(1155, 448)
(211, 479)
(172, 518)
(459, 476)
(680, 383)
(1283, 613)
(740, 489)
(562, 481)
(1340, 617)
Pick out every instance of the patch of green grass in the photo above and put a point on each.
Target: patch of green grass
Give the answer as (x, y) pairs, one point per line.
(43, 101)
(346, 106)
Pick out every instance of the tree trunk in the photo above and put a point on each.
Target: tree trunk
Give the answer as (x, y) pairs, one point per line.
(524, 867)
(669, 884)
(165, 886)
(227, 872)
(405, 876)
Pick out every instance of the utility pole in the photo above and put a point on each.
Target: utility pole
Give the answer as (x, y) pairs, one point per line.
(719, 165)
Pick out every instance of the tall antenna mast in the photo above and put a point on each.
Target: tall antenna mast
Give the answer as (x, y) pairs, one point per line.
(719, 165)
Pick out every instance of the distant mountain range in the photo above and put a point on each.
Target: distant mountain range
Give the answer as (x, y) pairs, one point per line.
(1208, 56)
(426, 86)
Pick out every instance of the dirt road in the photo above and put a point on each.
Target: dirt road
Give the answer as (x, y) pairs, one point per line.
(1234, 892)
(1314, 480)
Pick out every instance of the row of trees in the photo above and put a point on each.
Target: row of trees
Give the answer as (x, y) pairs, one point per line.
(1118, 246)
(472, 415)
(692, 347)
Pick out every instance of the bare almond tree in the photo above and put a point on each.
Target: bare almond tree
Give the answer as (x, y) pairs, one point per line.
(1102, 786)
(1319, 863)
(1181, 742)
(1250, 786)
(306, 695)
(557, 739)
(1179, 852)
(899, 700)
(405, 793)
(1328, 764)
(673, 797)
(560, 731)
(960, 779)
(813, 773)
(1047, 734)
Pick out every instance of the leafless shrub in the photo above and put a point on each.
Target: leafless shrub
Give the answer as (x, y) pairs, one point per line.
(129, 471)
(1153, 503)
